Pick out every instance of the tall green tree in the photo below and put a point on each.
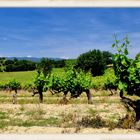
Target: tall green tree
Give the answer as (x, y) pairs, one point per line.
(45, 66)
(95, 61)
(107, 57)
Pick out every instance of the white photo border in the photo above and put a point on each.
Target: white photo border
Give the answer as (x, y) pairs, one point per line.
(69, 3)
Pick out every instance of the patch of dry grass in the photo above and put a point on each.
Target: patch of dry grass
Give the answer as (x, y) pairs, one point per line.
(74, 117)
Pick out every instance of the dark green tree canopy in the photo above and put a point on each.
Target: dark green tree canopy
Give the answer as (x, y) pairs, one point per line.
(107, 57)
(19, 65)
(95, 61)
(45, 66)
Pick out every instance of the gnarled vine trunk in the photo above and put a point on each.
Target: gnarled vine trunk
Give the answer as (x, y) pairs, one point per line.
(135, 105)
(89, 97)
(121, 94)
(40, 96)
(65, 101)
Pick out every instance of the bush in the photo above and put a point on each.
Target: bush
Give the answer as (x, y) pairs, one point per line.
(127, 122)
(92, 121)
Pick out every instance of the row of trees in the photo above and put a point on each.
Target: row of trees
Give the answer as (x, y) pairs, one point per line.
(95, 61)
(27, 65)
(16, 65)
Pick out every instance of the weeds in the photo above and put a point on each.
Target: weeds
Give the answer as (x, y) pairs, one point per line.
(94, 122)
(68, 120)
(126, 122)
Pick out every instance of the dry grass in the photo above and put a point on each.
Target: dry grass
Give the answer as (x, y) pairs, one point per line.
(28, 116)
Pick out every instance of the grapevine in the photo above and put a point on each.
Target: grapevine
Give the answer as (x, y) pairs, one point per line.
(127, 71)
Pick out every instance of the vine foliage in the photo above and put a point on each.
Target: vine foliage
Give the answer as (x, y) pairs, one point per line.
(127, 72)
(73, 82)
(126, 69)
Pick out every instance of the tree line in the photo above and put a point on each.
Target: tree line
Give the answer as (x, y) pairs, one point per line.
(26, 65)
(95, 61)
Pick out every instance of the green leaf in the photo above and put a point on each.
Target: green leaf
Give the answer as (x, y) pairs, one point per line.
(113, 45)
(125, 51)
(118, 49)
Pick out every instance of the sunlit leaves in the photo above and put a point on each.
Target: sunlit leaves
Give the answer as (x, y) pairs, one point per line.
(41, 81)
(72, 81)
(127, 70)
(14, 85)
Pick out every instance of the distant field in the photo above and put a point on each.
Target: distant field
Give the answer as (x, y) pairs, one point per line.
(25, 77)
(22, 77)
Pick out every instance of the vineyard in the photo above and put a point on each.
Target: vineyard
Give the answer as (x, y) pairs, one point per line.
(72, 100)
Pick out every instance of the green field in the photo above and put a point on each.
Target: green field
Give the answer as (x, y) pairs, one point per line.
(24, 77)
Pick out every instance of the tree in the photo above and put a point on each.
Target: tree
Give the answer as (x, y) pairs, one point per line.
(127, 72)
(45, 66)
(58, 63)
(94, 61)
(19, 65)
(107, 57)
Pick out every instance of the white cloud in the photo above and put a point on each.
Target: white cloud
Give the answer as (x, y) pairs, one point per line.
(29, 56)
(65, 57)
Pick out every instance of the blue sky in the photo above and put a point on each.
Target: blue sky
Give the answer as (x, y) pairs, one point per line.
(65, 32)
